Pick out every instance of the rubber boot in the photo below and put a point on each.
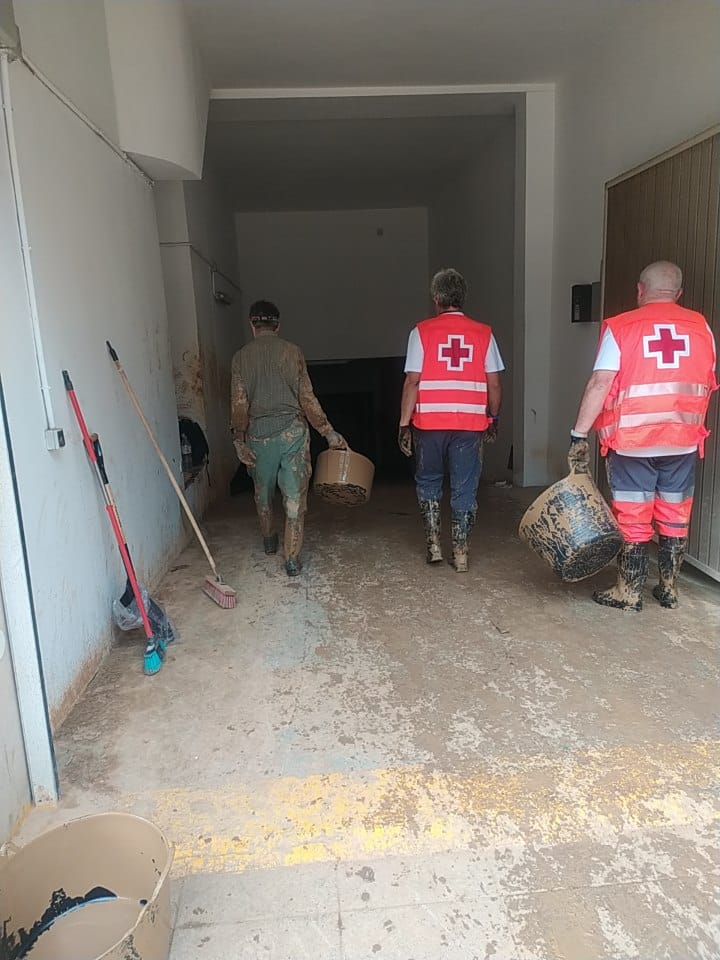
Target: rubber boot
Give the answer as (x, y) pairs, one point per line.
(294, 530)
(671, 552)
(633, 568)
(430, 510)
(462, 524)
(270, 538)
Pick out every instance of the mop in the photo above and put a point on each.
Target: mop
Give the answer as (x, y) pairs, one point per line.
(214, 587)
(154, 650)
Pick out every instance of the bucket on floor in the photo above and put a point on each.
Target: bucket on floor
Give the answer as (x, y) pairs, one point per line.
(93, 888)
(571, 528)
(343, 476)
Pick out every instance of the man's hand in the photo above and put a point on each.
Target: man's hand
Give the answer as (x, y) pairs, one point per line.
(492, 431)
(336, 441)
(405, 441)
(579, 455)
(244, 453)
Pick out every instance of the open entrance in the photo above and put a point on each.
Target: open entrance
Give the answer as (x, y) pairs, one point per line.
(344, 208)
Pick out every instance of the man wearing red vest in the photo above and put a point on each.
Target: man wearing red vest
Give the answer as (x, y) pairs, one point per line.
(648, 398)
(452, 397)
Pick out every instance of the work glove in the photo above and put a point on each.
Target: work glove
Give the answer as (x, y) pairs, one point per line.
(405, 441)
(491, 432)
(579, 454)
(244, 453)
(336, 441)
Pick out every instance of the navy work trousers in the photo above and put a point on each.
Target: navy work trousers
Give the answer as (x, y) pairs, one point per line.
(461, 452)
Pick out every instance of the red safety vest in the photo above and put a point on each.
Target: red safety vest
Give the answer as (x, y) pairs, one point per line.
(667, 373)
(452, 393)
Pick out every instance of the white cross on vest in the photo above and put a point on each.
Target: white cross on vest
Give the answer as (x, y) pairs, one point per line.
(455, 353)
(667, 346)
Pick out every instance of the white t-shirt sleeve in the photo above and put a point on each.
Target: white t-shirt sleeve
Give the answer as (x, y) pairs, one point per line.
(415, 353)
(493, 360)
(608, 355)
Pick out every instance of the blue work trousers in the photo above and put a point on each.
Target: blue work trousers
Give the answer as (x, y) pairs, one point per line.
(460, 451)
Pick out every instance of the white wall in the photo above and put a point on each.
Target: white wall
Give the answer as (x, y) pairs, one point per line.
(93, 234)
(196, 226)
(68, 40)
(161, 92)
(654, 85)
(343, 291)
(472, 229)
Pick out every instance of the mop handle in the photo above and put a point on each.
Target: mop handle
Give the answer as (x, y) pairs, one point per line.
(161, 455)
(99, 465)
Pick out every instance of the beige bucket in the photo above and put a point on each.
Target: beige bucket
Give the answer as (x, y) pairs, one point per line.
(93, 888)
(343, 476)
(571, 528)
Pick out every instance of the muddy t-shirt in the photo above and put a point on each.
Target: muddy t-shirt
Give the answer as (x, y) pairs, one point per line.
(271, 390)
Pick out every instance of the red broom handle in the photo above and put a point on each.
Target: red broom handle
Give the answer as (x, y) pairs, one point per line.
(109, 506)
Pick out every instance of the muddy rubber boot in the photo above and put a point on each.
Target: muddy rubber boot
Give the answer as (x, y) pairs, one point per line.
(293, 545)
(462, 524)
(271, 544)
(270, 538)
(633, 568)
(671, 552)
(430, 510)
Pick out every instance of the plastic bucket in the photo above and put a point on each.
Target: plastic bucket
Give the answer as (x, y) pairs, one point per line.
(571, 528)
(93, 888)
(343, 476)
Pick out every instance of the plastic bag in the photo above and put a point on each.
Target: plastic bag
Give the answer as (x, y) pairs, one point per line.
(127, 615)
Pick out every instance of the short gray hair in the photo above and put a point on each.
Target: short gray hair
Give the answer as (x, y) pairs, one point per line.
(663, 278)
(448, 289)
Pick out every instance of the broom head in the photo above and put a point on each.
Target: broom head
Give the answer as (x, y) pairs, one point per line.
(220, 593)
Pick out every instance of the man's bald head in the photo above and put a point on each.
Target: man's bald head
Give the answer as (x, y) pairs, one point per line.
(659, 281)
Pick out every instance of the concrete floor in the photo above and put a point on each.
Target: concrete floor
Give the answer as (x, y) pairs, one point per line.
(385, 759)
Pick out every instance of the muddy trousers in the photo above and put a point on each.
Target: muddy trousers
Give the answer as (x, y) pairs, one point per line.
(461, 451)
(652, 493)
(283, 461)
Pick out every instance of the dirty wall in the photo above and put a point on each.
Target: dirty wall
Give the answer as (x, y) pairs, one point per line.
(96, 260)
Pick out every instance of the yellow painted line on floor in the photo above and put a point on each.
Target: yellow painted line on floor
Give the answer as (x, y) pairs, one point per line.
(415, 810)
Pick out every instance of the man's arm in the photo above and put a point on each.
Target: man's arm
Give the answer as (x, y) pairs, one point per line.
(409, 398)
(494, 385)
(596, 391)
(240, 416)
(314, 413)
(239, 403)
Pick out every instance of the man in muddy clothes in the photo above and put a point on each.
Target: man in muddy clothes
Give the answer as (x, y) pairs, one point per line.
(272, 401)
(451, 396)
(647, 399)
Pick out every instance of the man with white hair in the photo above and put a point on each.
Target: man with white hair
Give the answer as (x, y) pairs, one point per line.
(647, 399)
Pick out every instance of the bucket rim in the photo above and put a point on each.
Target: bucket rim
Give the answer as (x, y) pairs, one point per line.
(16, 850)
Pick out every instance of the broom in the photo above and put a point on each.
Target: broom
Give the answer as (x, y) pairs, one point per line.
(214, 587)
(154, 650)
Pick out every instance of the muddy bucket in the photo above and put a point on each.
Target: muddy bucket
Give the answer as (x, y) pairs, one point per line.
(93, 888)
(571, 528)
(343, 476)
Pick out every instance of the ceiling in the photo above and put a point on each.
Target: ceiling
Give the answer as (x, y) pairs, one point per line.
(307, 155)
(316, 43)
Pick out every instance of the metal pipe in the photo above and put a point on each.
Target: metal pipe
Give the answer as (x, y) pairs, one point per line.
(118, 151)
(25, 243)
(201, 255)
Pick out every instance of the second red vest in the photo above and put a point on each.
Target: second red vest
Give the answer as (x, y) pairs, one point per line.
(452, 393)
(667, 374)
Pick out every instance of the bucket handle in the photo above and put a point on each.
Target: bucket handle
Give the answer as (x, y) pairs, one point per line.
(347, 452)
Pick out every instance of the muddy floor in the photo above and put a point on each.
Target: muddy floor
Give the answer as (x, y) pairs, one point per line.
(387, 759)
